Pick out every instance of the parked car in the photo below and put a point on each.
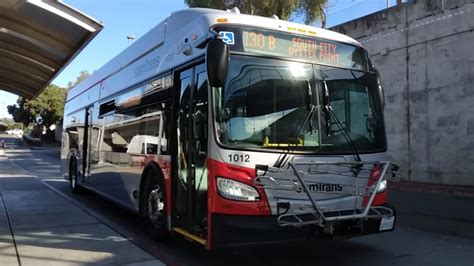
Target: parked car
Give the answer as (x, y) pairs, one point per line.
(15, 131)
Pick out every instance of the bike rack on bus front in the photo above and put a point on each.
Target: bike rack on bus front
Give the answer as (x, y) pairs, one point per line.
(293, 181)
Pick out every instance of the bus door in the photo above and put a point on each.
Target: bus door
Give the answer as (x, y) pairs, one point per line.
(191, 191)
(86, 145)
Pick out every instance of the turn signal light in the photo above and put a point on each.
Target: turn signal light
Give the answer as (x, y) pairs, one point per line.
(221, 20)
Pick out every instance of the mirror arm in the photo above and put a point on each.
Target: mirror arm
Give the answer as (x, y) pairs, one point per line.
(202, 42)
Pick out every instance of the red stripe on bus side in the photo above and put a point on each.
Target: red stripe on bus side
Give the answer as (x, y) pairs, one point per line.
(218, 204)
(380, 198)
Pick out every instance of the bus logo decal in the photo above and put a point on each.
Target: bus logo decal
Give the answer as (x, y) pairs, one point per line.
(148, 65)
(325, 187)
(227, 37)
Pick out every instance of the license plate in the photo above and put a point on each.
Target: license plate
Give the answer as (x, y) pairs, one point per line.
(387, 223)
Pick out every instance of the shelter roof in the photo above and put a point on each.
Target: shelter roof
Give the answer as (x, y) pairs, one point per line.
(38, 39)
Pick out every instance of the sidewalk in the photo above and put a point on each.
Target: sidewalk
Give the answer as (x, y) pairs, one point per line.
(451, 190)
(40, 227)
(436, 208)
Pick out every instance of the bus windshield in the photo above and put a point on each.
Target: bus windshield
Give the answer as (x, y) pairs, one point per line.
(274, 104)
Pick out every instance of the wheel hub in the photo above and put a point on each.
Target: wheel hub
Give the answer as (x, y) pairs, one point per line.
(155, 203)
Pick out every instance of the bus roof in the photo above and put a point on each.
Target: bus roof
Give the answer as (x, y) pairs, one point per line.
(189, 24)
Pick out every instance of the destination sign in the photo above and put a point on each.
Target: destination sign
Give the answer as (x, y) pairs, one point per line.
(315, 50)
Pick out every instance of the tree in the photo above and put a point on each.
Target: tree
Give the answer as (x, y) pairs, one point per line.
(82, 76)
(313, 10)
(49, 105)
(310, 9)
(19, 113)
(12, 124)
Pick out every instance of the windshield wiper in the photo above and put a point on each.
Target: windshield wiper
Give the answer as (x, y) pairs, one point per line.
(312, 110)
(358, 167)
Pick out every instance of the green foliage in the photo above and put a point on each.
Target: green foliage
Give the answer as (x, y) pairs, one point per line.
(82, 76)
(14, 126)
(18, 112)
(7, 121)
(217, 4)
(49, 105)
(310, 9)
(313, 10)
(11, 124)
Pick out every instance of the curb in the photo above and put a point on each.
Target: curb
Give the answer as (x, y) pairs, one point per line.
(450, 190)
(32, 141)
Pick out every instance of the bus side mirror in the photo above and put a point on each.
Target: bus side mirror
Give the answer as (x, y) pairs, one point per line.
(380, 89)
(217, 62)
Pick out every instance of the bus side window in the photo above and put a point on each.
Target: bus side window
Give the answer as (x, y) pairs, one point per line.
(183, 125)
(72, 138)
(200, 113)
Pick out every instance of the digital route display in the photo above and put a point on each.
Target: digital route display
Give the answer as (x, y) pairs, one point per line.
(313, 49)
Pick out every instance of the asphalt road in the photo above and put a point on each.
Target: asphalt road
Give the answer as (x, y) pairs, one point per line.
(429, 232)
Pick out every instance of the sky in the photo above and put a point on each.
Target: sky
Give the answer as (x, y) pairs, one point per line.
(122, 18)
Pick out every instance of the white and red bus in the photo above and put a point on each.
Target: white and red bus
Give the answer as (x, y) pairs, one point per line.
(235, 130)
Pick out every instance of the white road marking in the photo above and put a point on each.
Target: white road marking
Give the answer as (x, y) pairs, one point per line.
(55, 180)
(15, 175)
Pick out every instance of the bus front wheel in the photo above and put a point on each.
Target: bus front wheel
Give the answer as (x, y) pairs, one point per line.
(155, 205)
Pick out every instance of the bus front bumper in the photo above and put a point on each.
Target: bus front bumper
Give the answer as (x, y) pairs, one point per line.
(232, 231)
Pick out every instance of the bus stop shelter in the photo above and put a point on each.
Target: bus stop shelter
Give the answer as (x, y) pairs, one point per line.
(38, 39)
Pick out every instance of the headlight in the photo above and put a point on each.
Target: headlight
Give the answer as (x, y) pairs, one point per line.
(234, 190)
(382, 187)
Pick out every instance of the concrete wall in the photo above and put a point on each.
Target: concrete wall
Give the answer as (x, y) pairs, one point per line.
(425, 53)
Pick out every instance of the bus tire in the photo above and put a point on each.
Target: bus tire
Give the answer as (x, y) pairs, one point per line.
(73, 176)
(155, 207)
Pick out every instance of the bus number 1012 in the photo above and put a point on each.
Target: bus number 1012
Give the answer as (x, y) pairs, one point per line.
(236, 158)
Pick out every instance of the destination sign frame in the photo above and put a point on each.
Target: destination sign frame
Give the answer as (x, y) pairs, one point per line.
(296, 46)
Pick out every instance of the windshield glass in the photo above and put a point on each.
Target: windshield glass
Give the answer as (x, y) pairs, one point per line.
(272, 104)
